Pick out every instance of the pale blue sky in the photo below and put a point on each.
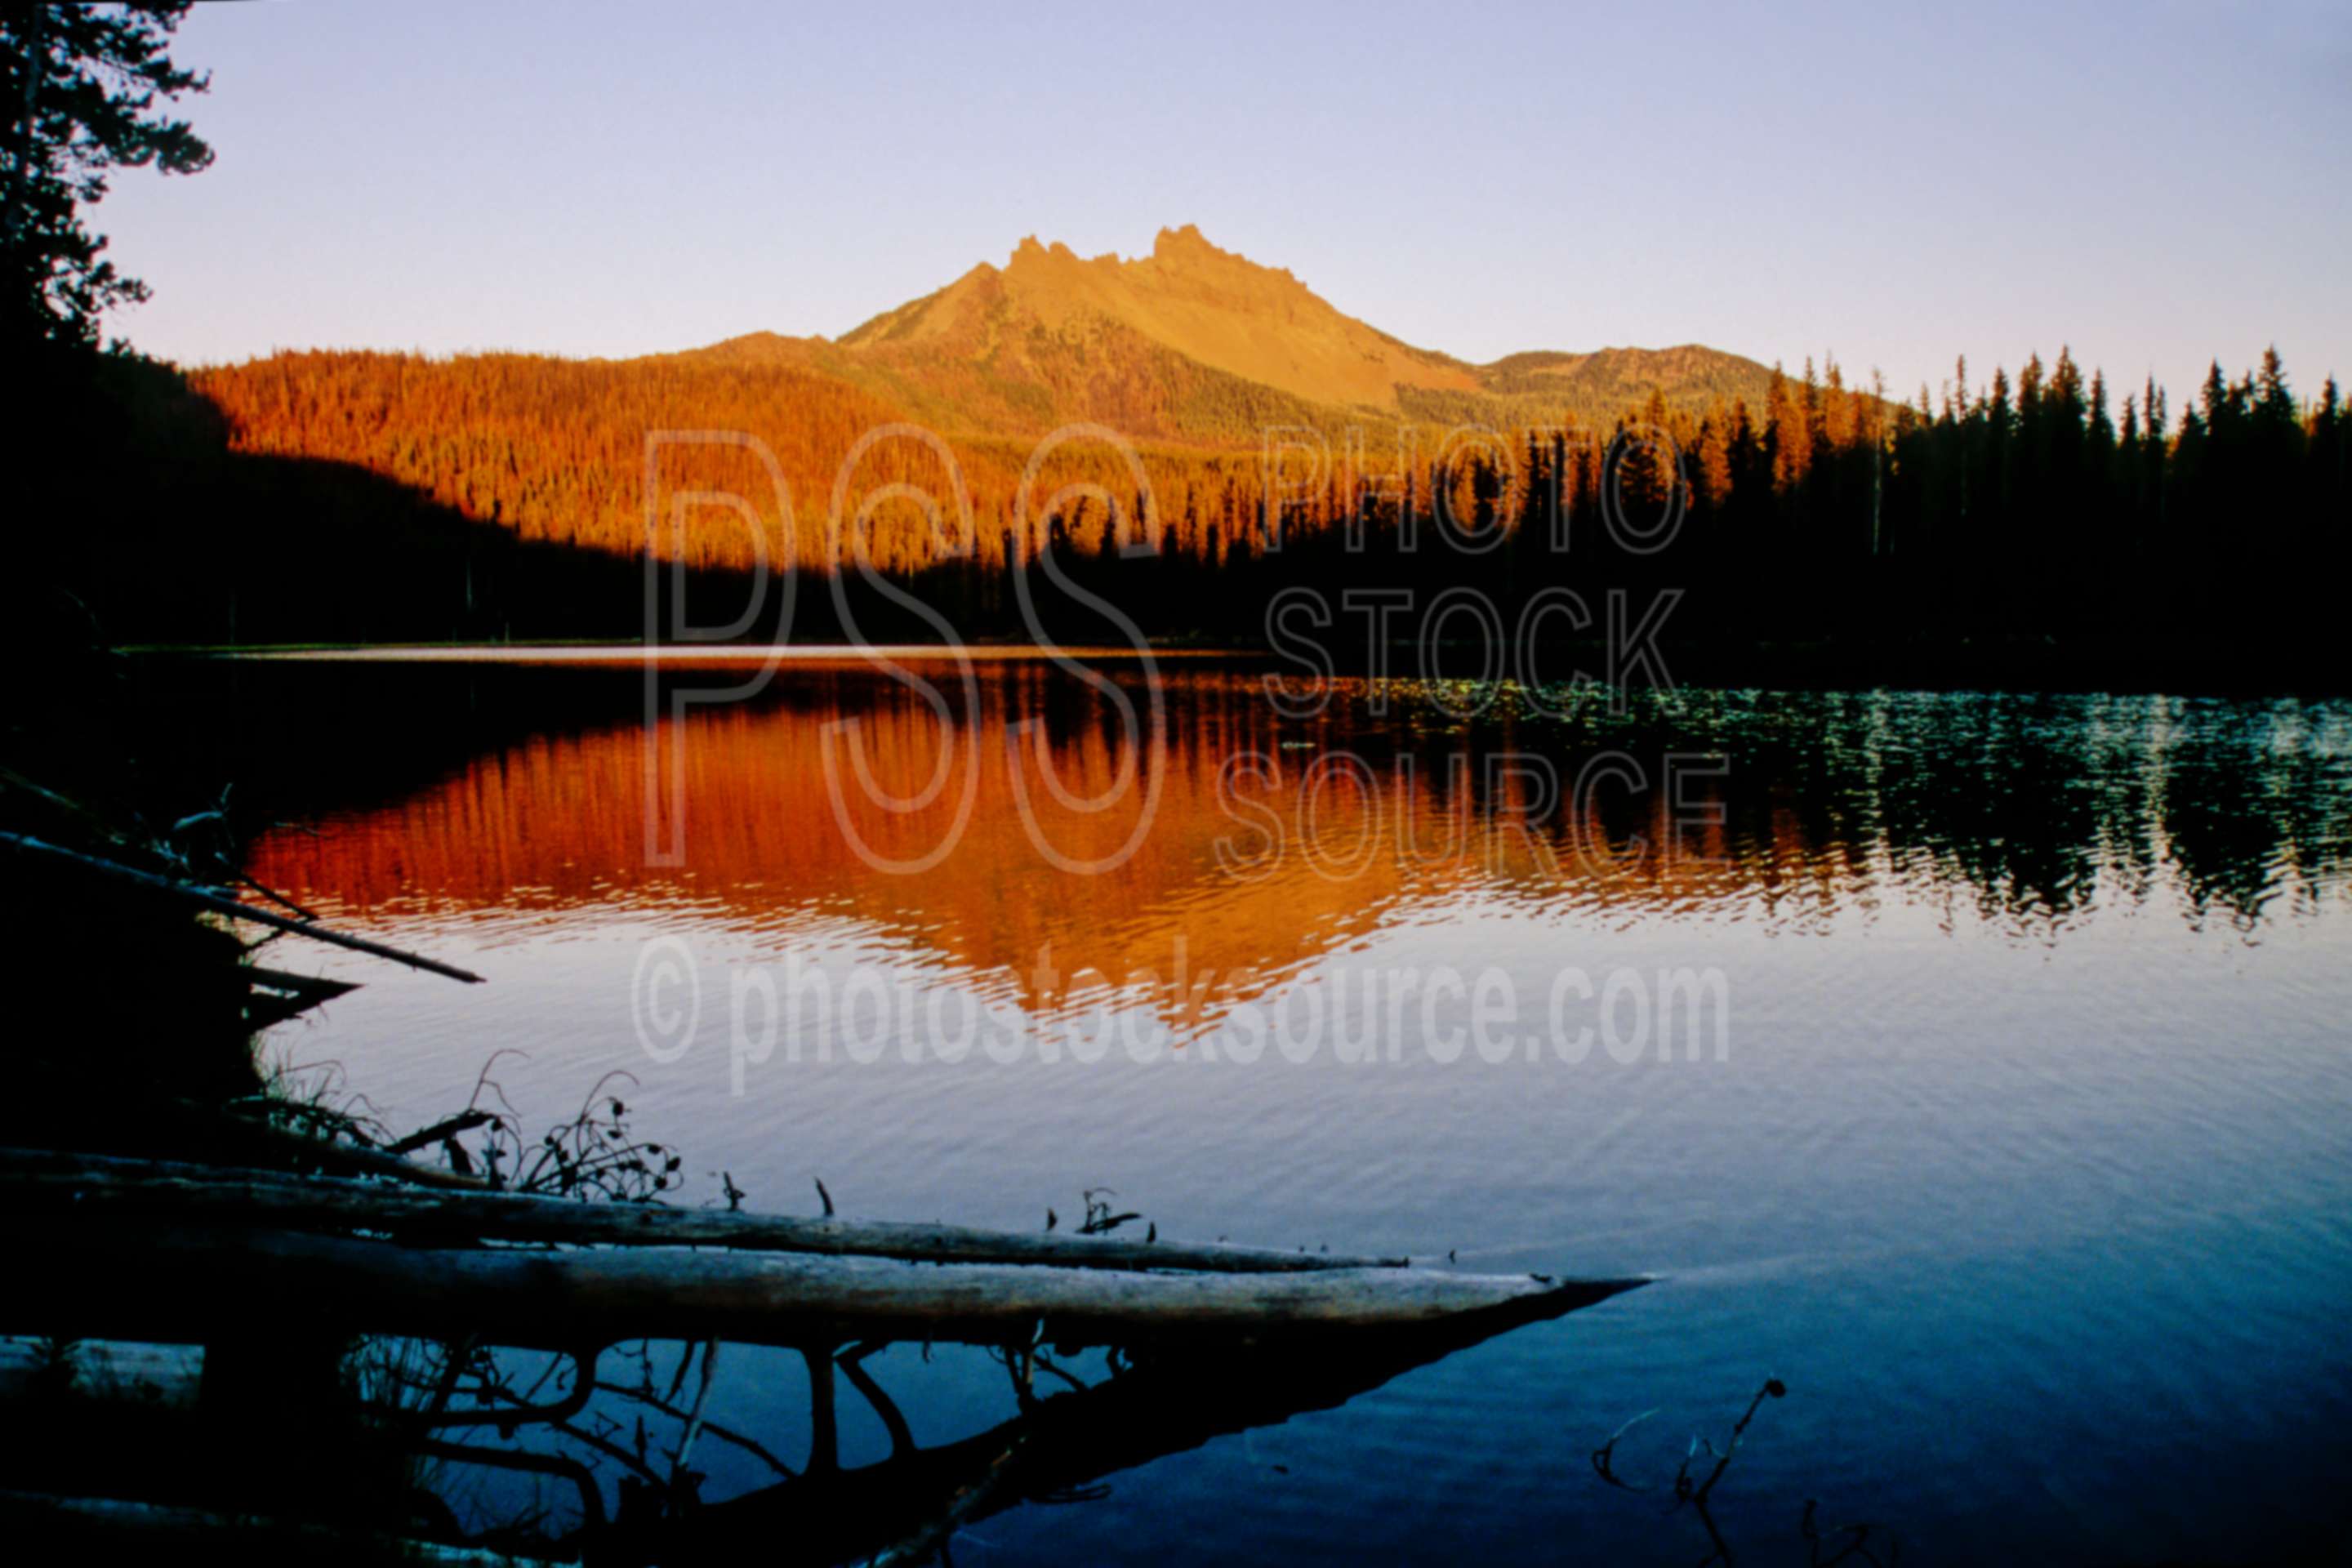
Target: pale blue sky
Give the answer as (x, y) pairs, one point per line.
(2154, 184)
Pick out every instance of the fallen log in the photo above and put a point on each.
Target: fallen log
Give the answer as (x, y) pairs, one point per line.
(152, 1376)
(220, 903)
(184, 1285)
(227, 1139)
(52, 1522)
(37, 1182)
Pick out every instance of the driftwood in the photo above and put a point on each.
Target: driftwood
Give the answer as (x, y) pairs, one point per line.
(1202, 1341)
(237, 1137)
(905, 1506)
(222, 904)
(34, 1182)
(278, 996)
(183, 1284)
(156, 1377)
(32, 1519)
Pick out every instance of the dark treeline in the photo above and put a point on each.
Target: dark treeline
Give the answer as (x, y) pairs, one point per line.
(2025, 512)
(2015, 515)
(2020, 531)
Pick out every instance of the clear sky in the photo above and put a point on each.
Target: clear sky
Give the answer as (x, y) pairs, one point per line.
(2154, 184)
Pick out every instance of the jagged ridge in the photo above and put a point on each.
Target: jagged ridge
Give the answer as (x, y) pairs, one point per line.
(1199, 344)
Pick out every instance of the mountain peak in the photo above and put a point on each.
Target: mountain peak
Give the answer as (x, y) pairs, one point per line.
(1186, 251)
(1210, 305)
(1175, 252)
(1030, 252)
(1068, 330)
(1173, 243)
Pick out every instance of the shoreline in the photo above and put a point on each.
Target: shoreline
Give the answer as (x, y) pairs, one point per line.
(2022, 666)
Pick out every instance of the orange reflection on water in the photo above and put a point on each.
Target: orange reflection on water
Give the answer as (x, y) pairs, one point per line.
(1267, 844)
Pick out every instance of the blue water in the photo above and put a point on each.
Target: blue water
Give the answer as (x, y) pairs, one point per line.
(2025, 1161)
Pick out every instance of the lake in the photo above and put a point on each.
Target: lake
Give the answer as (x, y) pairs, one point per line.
(1978, 1065)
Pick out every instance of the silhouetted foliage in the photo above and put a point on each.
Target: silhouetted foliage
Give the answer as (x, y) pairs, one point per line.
(87, 89)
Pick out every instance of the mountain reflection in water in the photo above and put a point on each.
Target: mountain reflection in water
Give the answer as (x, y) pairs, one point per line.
(1258, 844)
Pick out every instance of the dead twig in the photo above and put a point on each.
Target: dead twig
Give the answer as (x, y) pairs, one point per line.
(220, 903)
(1099, 1220)
(1607, 1452)
(1697, 1494)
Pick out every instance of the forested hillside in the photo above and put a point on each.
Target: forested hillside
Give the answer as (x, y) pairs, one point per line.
(1773, 506)
(1197, 357)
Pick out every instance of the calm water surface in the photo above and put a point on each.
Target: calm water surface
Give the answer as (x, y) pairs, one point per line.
(2023, 1156)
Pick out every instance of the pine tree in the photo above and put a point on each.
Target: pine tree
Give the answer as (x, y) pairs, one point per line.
(87, 89)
